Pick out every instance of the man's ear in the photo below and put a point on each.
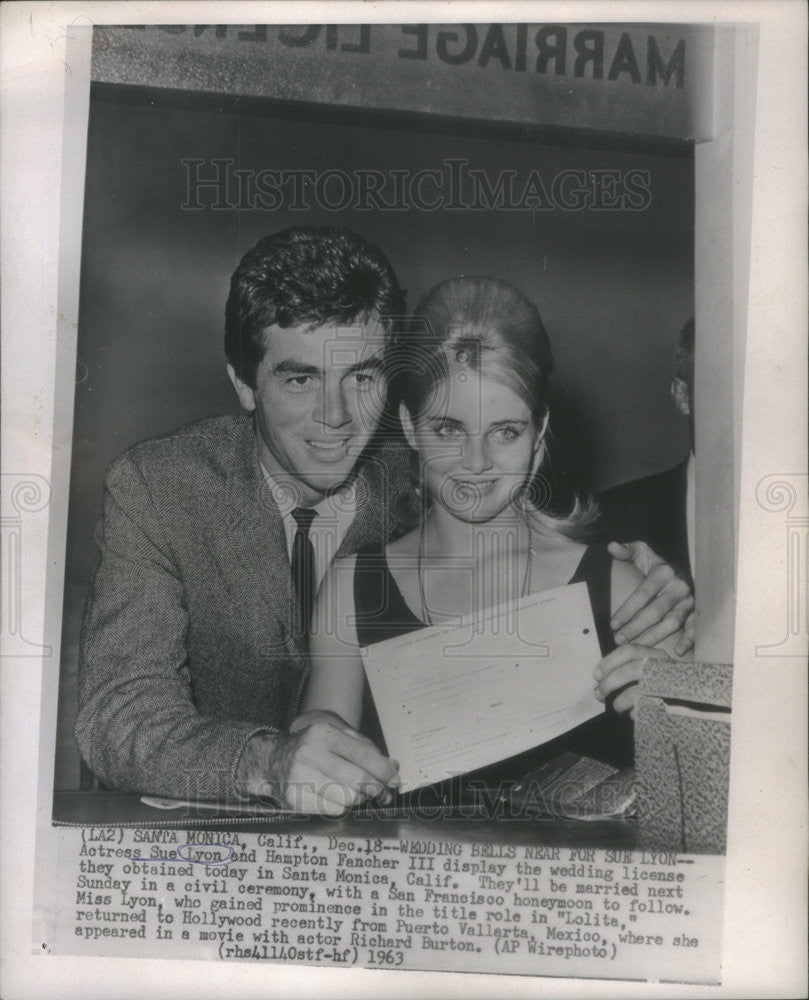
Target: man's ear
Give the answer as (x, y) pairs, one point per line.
(246, 395)
(681, 396)
(407, 425)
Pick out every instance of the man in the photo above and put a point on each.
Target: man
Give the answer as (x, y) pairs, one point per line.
(191, 645)
(192, 659)
(659, 509)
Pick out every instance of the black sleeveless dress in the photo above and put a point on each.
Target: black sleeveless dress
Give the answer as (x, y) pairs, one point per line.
(381, 613)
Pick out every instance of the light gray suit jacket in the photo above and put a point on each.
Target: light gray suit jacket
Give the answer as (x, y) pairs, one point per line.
(187, 644)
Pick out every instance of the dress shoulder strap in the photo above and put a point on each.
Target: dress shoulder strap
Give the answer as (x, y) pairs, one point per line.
(379, 606)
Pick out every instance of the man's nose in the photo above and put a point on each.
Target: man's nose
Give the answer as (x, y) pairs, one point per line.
(332, 410)
(475, 455)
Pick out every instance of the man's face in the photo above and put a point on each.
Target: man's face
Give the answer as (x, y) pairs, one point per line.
(319, 394)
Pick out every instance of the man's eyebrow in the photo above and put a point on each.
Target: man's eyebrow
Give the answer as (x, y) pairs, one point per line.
(290, 367)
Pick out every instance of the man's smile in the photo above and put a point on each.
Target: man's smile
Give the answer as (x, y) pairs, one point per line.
(328, 449)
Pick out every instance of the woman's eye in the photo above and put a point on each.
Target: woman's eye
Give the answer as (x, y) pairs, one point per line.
(506, 434)
(445, 431)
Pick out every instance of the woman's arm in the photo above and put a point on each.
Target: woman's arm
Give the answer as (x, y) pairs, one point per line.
(351, 769)
(337, 676)
(621, 669)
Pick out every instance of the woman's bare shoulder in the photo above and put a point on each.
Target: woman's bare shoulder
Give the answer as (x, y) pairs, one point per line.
(406, 546)
(555, 557)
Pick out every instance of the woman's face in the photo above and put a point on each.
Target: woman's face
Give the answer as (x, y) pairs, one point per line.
(476, 442)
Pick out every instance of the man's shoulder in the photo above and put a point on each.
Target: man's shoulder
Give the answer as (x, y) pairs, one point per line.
(652, 510)
(214, 446)
(645, 488)
(647, 509)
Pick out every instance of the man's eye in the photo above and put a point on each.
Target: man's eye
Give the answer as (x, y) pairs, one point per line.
(299, 383)
(365, 380)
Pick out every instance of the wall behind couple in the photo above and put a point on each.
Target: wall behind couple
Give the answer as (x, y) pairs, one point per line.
(613, 286)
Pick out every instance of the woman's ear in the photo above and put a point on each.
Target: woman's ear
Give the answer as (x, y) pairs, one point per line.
(407, 425)
(539, 445)
(543, 430)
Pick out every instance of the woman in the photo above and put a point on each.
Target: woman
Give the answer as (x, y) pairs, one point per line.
(471, 379)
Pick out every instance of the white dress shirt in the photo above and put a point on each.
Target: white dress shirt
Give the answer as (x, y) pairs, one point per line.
(335, 513)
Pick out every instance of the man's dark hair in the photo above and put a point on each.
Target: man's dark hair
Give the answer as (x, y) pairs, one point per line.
(305, 275)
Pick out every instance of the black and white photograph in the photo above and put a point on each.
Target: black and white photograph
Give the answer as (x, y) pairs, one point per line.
(395, 514)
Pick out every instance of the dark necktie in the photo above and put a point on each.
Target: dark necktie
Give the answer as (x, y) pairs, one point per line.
(303, 570)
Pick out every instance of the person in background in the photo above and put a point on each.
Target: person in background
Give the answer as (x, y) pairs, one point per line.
(659, 509)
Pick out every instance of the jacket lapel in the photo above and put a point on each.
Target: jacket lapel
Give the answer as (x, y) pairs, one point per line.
(255, 531)
(255, 534)
(385, 499)
(366, 528)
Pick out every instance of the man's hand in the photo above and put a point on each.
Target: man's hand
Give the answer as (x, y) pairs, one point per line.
(322, 766)
(661, 606)
(620, 672)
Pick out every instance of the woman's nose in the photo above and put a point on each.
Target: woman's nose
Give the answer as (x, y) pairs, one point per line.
(475, 455)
